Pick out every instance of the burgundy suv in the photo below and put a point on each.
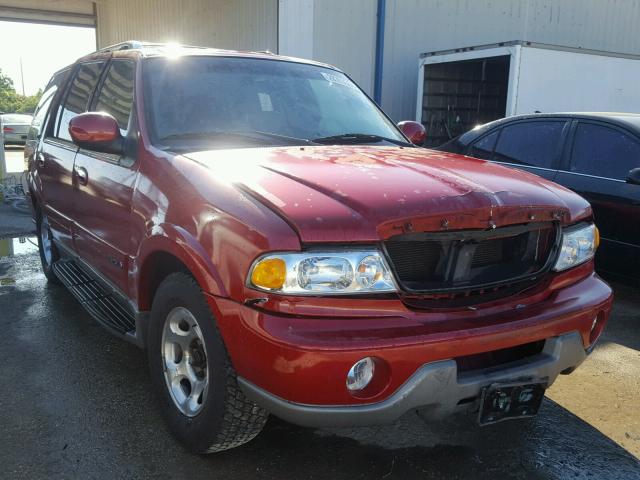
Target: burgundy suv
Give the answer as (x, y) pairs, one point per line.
(279, 246)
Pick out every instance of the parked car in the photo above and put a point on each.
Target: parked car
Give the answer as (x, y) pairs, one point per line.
(15, 127)
(594, 154)
(279, 246)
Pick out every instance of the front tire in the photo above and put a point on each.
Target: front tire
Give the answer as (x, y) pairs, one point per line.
(192, 373)
(47, 249)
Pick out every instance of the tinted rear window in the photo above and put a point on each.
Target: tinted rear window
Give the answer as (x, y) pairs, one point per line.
(116, 93)
(604, 152)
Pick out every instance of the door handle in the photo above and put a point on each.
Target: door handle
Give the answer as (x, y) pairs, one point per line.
(82, 175)
(40, 160)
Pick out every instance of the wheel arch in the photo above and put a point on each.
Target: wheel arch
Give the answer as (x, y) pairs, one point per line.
(166, 252)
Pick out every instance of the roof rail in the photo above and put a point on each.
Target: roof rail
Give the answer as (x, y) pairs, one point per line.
(128, 45)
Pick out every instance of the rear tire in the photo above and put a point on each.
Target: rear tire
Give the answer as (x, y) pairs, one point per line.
(192, 373)
(47, 249)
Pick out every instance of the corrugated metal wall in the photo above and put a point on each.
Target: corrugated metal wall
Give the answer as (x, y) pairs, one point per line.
(416, 26)
(338, 32)
(344, 35)
(233, 24)
(342, 32)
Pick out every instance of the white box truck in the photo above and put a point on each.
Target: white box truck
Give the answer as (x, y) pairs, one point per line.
(459, 89)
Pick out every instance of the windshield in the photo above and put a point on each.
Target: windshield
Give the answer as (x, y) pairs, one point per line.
(222, 102)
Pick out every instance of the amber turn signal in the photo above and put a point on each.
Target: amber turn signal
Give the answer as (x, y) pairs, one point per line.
(270, 273)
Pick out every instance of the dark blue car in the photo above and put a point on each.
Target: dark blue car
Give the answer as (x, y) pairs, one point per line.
(594, 154)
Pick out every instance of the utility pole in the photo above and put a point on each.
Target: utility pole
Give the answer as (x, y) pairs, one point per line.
(22, 77)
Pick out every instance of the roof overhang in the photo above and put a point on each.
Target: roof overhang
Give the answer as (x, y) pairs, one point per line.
(78, 13)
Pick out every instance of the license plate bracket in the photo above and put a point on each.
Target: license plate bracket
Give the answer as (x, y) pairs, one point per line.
(507, 401)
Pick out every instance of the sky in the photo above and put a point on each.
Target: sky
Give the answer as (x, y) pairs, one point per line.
(44, 49)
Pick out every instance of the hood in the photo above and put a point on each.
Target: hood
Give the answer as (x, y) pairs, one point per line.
(369, 193)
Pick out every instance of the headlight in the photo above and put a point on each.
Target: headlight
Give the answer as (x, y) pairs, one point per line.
(333, 273)
(578, 246)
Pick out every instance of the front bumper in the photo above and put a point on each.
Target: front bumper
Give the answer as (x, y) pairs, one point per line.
(291, 363)
(435, 388)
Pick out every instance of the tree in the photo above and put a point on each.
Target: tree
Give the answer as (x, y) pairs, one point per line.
(7, 94)
(11, 101)
(29, 103)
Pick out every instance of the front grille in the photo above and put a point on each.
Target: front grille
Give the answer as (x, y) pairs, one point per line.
(464, 262)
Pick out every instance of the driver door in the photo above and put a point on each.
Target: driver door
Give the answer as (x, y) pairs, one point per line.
(105, 183)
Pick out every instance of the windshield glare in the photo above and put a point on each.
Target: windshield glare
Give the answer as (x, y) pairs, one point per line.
(192, 100)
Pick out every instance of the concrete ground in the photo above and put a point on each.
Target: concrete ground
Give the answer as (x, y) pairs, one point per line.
(15, 216)
(14, 158)
(77, 403)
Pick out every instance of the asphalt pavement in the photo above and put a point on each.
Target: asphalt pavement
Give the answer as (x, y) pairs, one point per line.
(76, 402)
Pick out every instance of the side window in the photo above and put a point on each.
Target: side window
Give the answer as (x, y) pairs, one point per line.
(483, 148)
(78, 96)
(116, 93)
(40, 113)
(605, 152)
(37, 125)
(533, 144)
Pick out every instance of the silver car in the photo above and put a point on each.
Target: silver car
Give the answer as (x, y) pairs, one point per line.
(15, 127)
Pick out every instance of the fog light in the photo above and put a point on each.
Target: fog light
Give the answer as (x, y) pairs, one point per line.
(360, 374)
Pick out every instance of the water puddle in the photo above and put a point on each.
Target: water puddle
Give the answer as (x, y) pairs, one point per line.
(11, 247)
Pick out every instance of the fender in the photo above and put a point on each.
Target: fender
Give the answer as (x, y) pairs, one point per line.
(178, 242)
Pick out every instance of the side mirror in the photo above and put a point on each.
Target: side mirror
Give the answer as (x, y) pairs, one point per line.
(96, 131)
(414, 131)
(634, 176)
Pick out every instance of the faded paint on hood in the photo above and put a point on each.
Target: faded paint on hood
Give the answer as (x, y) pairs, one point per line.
(368, 193)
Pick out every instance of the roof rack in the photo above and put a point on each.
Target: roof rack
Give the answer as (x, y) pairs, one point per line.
(128, 45)
(137, 45)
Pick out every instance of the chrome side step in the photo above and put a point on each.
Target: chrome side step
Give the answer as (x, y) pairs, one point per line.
(103, 305)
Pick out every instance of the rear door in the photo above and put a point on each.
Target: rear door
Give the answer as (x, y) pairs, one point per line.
(103, 198)
(54, 163)
(596, 167)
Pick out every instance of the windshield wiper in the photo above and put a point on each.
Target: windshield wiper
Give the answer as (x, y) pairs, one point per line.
(358, 138)
(280, 137)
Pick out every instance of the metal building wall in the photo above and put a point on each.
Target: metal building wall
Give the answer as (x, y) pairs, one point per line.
(344, 35)
(233, 24)
(339, 32)
(416, 26)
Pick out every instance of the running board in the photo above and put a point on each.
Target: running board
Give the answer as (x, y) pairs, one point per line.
(103, 305)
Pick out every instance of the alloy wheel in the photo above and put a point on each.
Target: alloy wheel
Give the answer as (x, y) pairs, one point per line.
(184, 360)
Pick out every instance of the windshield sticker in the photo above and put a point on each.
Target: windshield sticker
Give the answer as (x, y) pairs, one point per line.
(337, 79)
(265, 102)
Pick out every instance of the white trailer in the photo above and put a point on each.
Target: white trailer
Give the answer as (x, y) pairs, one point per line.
(458, 89)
